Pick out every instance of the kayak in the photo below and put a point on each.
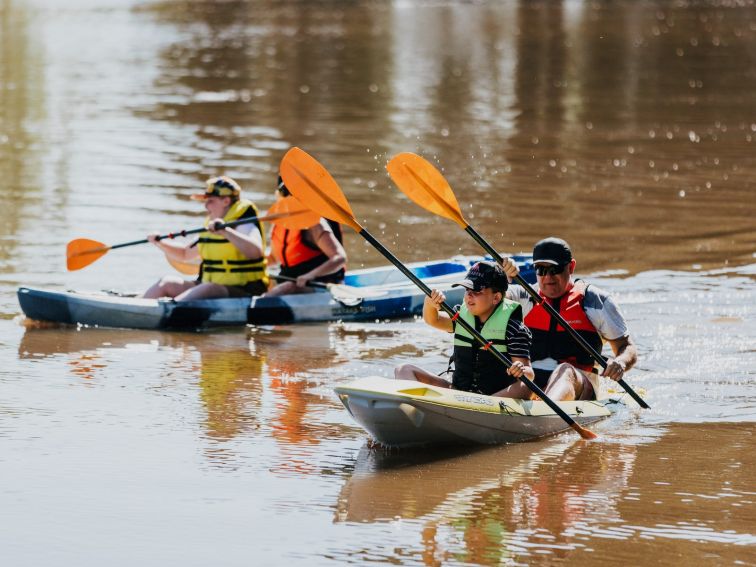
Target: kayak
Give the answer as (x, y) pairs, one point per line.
(387, 295)
(404, 413)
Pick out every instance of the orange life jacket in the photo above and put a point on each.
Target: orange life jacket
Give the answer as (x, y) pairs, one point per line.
(296, 255)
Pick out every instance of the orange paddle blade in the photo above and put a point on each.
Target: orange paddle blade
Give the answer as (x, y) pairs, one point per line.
(586, 434)
(186, 268)
(314, 187)
(425, 185)
(289, 213)
(82, 252)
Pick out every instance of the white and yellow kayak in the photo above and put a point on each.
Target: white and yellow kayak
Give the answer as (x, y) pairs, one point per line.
(401, 413)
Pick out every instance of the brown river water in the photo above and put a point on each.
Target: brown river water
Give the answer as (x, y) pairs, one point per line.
(628, 128)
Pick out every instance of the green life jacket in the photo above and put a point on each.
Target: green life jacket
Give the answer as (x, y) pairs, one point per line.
(475, 368)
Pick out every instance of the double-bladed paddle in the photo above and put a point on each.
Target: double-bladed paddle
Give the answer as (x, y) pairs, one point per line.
(314, 187)
(81, 252)
(426, 186)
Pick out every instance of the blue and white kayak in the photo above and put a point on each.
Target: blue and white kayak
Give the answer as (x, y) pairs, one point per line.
(374, 294)
(402, 413)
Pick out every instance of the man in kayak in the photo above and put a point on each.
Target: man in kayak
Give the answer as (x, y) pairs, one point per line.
(562, 367)
(497, 319)
(313, 254)
(233, 261)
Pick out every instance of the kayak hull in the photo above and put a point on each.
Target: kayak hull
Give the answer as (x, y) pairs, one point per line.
(388, 296)
(103, 310)
(400, 413)
(100, 309)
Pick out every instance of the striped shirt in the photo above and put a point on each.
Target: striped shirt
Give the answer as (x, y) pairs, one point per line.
(519, 339)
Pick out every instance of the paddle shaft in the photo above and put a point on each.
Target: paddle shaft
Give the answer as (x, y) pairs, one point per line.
(219, 226)
(554, 313)
(470, 329)
(310, 283)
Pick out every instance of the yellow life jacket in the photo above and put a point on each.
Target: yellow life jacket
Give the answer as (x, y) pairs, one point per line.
(222, 262)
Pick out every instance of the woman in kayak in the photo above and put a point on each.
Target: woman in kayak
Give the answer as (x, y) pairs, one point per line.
(312, 254)
(498, 319)
(233, 259)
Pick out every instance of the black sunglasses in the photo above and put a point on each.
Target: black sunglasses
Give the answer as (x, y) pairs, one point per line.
(550, 270)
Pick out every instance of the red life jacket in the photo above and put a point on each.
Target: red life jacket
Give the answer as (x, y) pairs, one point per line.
(550, 340)
(297, 255)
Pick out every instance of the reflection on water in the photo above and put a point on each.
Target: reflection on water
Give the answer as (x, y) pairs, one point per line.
(291, 355)
(259, 405)
(21, 107)
(228, 366)
(266, 378)
(550, 502)
(231, 390)
(633, 123)
(495, 505)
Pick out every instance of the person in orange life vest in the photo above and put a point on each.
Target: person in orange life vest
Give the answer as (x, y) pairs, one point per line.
(496, 318)
(562, 367)
(233, 259)
(313, 254)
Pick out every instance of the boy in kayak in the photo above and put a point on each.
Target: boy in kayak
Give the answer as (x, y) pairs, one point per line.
(563, 369)
(312, 254)
(497, 319)
(233, 259)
